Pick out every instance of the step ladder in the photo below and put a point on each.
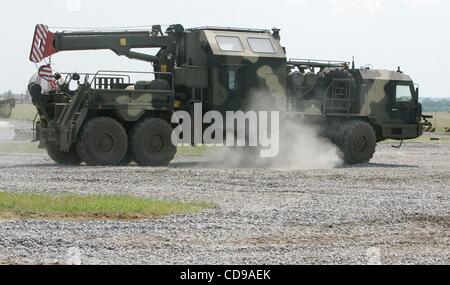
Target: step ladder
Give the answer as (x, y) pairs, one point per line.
(337, 97)
(71, 118)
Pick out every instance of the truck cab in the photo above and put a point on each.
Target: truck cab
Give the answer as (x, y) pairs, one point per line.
(390, 101)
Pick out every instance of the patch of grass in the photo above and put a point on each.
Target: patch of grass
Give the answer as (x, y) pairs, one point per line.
(20, 148)
(440, 121)
(76, 207)
(425, 138)
(25, 112)
(195, 151)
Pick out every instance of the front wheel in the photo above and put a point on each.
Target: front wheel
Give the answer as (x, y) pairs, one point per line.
(358, 142)
(151, 143)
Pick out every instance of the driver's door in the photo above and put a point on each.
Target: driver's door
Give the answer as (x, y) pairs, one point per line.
(404, 103)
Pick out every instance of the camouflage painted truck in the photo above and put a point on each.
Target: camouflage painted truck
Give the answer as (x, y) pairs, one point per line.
(108, 120)
(7, 104)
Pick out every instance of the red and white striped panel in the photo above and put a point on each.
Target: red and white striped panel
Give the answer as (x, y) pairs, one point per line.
(39, 43)
(46, 73)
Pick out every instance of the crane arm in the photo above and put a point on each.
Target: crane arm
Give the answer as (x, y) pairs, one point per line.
(46, 43)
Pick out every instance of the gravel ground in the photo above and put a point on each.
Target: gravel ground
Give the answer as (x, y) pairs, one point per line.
(395, 210)
(23, 130)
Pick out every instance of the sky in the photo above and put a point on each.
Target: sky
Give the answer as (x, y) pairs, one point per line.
(413, 34)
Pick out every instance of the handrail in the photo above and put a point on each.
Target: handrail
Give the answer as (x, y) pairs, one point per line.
(113, 72)
(90, 73)
(319, 61)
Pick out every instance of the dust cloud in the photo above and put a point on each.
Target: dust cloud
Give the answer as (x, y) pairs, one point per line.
(301, 148)
(301, 145)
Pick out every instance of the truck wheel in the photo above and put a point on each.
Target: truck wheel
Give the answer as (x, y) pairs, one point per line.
(358, 142)
(103, 141)
(64, 158)
(151, 143)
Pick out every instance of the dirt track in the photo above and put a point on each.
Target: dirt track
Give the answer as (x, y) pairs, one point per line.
(395, 210)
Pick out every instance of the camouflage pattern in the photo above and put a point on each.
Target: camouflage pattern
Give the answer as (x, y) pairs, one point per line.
(248, 70)
(258, 77)
(397, 120)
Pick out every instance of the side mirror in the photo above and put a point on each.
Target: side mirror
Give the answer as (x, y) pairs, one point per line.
(416, 96)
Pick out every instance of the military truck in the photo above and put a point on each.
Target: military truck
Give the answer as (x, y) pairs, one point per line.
(109, 120)
(7, 104)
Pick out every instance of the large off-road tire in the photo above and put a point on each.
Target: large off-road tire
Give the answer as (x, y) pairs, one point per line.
(103, 141)
(63, 158)
(357, 141)
(151, 143)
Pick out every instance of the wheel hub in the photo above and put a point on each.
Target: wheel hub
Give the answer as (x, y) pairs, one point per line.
(361, 144)
(104, 143)
(155, 144)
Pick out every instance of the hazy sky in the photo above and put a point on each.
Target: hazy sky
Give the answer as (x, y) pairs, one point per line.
(413, 34)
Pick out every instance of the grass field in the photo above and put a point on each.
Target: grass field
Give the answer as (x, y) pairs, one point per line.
(26, 112)
(35, 206)
(440, 121)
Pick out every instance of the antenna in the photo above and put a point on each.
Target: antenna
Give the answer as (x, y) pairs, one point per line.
(353, 62)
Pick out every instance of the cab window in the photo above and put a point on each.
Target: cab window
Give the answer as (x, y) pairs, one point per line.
(403, 93)
(261, 45)
(229, 43)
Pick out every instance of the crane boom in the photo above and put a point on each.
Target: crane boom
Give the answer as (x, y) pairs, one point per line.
(46, 43)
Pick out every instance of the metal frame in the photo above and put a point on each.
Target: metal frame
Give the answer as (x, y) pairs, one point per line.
(114, 72)
(229, 29)
(317, 63)
(333, 99)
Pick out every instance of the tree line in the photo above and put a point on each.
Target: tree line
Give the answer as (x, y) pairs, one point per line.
(436, 105)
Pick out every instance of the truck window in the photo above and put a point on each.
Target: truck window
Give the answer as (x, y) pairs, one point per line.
(261, 45)
(229, 43)
(403, 93)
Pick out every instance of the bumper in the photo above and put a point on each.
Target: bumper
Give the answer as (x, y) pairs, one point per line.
(402, 131)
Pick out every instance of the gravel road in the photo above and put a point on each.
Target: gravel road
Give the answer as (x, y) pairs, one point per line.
(23, 130)
(395, 210)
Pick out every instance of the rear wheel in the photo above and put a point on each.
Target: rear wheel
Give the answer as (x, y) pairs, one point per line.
(103, 141)
(64, 158)
(357, 141)
(151, 143)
